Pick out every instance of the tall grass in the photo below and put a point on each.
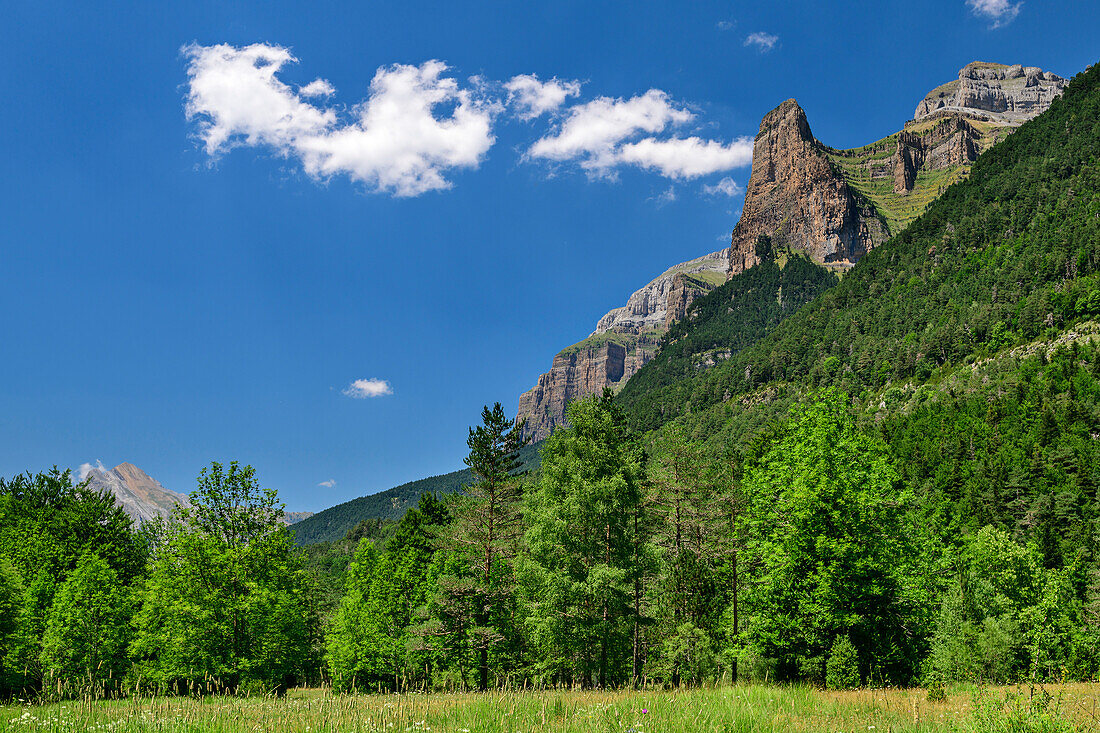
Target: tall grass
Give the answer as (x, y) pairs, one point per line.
(725, 710)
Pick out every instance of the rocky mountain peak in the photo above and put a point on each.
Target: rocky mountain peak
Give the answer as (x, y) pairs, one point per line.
(795, 196)
(139, 495)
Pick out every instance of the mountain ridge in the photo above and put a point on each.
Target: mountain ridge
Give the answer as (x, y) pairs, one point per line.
(833, 205)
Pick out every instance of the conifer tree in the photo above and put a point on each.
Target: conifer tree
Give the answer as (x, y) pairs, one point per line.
(486, 530)
(580, 571)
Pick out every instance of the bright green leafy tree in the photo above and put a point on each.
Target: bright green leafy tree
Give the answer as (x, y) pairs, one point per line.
(824, 549)
(227, 605)
(364, 640)
(86, 636)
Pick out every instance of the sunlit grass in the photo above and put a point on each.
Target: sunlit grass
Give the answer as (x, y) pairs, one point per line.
(728, 709)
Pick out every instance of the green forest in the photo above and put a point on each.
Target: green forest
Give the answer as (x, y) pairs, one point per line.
(887, 480)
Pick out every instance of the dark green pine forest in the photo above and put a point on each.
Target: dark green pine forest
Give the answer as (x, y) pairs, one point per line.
(887, 479)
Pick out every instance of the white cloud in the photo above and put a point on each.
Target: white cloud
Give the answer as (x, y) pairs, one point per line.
(763, 41)
(999, 12)
(664, 197)
(318, 88)
(592, 132)
(87, 468)
(725, 187)
(330, 484)
(532, 98)
(394, 143)
(689, 157)
(363, 388)
(727, 25)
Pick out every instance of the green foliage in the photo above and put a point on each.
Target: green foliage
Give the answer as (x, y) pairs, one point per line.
(11, 612)
(842, 665)
(718, 325)
(47, 526)
(824, 545)
(226, 605)
(485, 532)
(363, 643)
(689, 655)
(86, 636)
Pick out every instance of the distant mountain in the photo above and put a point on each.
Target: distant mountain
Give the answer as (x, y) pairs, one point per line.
(138, 493)
(333, 523)
(142, 496)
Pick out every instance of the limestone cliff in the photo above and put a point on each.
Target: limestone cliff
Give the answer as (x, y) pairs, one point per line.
(995, 92)
(624, 340)
(836, 205)
(798, 198)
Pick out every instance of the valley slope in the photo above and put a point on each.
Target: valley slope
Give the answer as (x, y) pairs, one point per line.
(830, 205)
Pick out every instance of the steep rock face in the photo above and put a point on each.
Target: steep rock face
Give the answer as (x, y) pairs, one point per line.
(951, 141)
(624, 340)
(796, 197)
(996, 92)
(139, 495)
(647, 309)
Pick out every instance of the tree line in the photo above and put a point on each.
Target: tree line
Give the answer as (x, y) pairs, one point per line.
(806, 552)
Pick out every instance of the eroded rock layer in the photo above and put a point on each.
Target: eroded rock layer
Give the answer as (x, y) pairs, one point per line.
(997, 92)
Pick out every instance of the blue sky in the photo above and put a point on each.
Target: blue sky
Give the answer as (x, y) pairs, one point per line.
(200, 256)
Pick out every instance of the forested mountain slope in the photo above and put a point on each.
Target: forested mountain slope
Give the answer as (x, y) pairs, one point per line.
(736, 315)
(1005, 257)
(333, 523)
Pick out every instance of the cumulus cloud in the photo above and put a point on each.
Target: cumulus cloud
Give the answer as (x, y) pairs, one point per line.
(87, 468)
(592, 132)
(998, 12)
(763, 41)
(364, 388)
(330, 484)
(689, 157)
(318, 88)
(393, 143)
(725, 187)
(532, 98)
(600, 136)
(727, 25)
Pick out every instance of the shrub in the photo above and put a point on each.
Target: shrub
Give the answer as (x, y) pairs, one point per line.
(842, 666)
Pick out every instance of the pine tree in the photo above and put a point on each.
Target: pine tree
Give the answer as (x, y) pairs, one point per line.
(580, 572)
(486, 530)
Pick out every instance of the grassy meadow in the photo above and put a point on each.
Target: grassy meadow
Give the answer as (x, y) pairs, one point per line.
(738, 708)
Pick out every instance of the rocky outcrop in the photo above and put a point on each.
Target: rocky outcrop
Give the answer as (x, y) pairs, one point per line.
(995, 92)
(951, 141)
(648, 308)
(139, 495)
(624, 340)
(797, 198)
